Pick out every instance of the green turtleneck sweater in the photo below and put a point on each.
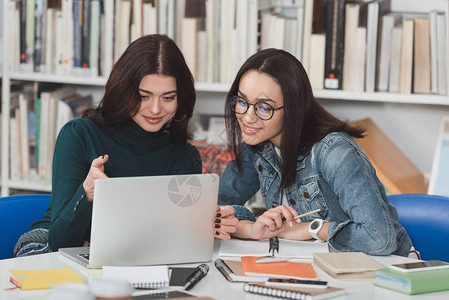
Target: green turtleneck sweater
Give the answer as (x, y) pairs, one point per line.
(132, 152)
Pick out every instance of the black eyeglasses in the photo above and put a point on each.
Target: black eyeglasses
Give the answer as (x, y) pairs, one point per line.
(263, 110)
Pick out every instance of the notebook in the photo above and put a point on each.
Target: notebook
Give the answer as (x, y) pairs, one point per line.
(293, 292)
(284, 269)
(150, 220)
(287, 248)
(43, 279)
(139, 276)
(347, 265)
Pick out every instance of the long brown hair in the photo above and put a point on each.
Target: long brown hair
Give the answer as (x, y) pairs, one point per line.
(305, 121)
(150, 54)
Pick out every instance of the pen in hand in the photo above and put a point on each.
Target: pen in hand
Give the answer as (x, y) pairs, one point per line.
(196, 276)
(304, 214)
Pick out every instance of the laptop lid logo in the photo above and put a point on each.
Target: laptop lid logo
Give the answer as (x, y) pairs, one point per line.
(184, 191)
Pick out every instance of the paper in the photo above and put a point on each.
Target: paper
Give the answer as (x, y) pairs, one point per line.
(43, 279)
(139, 276)
(294, 249)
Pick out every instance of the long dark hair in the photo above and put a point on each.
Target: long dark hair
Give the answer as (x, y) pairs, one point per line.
(150, 54)
(305, 121)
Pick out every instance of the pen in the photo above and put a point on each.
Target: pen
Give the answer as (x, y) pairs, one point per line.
(196, 276)
(307, 213)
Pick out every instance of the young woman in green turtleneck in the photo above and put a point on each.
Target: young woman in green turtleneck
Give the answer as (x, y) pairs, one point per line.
(140, 128)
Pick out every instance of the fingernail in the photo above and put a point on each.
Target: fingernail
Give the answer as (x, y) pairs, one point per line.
(218, 215)
(217, 233)
(291, 223)
(217, 221)
(217, 226)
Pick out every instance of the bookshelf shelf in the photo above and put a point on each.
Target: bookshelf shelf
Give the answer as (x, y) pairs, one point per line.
(30, 185)
(382, 97)
(209, 94)
(54, 78)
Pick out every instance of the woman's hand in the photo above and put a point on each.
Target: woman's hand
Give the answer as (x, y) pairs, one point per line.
(225, 222)
(274, 221)
(96, 171)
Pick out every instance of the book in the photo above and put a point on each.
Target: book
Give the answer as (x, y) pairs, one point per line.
(347, 265)
(43, 279)
(395, 59)
(442, 46)
(70, 108)
(179, 275)
(360, 59)
(139, 276)
(293, 292)
(406, 65)
(307, 32)
(283, 269)
(289, 248)
(352, 13)
(232, 270)
(389, 21)
(335, 17)
(421, 57)
(413, 282)
(317, 60)
(433, 51)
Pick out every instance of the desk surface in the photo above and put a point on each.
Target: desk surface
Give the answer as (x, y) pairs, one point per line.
(213, 285)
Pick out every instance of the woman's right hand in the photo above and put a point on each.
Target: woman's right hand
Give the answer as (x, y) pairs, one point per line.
(96, 171)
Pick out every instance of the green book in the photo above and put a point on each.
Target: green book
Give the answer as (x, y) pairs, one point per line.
(411, 283)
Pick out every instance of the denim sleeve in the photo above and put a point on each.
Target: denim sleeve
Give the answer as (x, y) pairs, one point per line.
(238, 186)
(369, 226)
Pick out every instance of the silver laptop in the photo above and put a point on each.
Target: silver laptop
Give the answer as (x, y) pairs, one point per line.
(150, 221)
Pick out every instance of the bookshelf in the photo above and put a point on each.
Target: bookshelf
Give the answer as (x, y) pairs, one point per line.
(345, 104)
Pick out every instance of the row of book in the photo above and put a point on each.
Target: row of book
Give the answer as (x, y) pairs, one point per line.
(36, 118)
(343, 44)
(362, 46)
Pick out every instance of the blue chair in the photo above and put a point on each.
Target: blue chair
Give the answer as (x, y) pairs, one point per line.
(426, 219)
(16, 215)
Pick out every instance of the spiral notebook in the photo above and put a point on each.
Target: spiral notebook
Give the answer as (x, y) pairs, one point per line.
(293, 292)
(139, 276)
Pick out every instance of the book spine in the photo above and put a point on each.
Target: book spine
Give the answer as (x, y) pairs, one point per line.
(335, 38)
(23, 42)
(85, 53)
(77, 31)
(38, 32)
(269, 291)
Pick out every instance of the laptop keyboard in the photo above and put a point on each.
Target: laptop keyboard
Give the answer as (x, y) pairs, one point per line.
(84, 255)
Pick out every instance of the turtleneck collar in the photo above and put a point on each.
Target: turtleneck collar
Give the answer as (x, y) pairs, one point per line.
(131, 130)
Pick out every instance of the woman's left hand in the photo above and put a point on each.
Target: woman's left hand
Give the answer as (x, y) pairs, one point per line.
(225, 222)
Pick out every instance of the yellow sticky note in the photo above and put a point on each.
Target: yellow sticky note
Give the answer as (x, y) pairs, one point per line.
(43, 279)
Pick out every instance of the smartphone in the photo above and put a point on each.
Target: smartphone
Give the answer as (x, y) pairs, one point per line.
(420, 266)
(290, 282)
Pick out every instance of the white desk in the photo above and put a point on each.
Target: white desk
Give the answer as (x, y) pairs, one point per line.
(213, 285)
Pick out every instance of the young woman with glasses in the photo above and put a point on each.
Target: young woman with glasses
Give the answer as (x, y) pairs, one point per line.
(302, 159)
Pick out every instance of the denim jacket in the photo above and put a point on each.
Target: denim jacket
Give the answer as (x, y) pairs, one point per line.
(337, 177)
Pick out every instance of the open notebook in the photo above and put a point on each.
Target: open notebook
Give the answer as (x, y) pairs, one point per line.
(288, 248)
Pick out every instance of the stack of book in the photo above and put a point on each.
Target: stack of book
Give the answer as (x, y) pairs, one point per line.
(419, 281)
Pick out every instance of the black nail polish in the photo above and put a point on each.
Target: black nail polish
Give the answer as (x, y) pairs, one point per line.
(218, 215)
(217, 221)
(217, 233)
(217, 226)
